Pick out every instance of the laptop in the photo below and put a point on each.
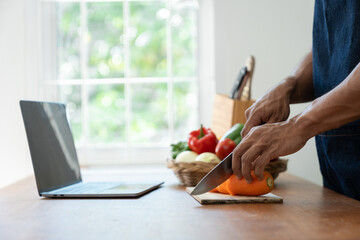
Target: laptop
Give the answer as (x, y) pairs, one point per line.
(54, 158)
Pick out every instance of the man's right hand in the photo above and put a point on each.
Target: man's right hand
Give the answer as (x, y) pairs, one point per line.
(273, 107)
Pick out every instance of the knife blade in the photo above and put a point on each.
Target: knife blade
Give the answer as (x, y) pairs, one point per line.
(215, 177)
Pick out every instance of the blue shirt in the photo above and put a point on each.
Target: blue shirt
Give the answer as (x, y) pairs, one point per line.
(336, 52)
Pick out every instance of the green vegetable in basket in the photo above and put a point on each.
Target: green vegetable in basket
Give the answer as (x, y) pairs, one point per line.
(234, 133)
(178, 148)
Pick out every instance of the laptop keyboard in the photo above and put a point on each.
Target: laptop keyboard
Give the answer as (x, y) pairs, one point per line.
(85, 188)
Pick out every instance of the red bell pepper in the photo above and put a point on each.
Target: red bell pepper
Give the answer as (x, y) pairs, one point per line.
(202, 140)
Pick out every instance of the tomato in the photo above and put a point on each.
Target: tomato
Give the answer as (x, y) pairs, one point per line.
(224, 148)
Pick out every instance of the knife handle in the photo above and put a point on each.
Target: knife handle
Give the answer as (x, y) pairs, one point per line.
(245, 94)
(240, 91)
(238, 82)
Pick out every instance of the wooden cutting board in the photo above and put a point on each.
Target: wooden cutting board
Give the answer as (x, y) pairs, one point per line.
(219, 198)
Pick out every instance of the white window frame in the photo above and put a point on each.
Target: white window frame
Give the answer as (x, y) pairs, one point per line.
(145, 153)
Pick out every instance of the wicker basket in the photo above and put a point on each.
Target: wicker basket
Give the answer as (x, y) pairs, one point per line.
(276, 167)
(189, 174)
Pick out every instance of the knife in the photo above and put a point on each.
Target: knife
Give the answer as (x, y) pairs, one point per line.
(244, 94)
(215, 177)
(238, 82)
(242, 87)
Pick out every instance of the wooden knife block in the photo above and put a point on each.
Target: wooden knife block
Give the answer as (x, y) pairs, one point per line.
(227, 112)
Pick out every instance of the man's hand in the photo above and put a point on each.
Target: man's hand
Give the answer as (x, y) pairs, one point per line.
(264, 143)
(273, 107)
(261, 143)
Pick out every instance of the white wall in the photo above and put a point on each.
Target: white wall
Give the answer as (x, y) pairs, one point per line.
(14, 154)
(278, 33)
(206, 59)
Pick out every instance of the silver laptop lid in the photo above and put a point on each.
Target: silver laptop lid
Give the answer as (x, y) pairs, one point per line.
(51, 145)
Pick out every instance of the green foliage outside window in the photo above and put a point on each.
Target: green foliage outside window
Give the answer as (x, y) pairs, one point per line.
(105, 56)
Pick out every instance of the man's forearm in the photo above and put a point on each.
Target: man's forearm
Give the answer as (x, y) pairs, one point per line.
(334, 109)
(301, 81)
(298, 87)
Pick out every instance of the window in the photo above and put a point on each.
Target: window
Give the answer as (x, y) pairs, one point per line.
(127, 70)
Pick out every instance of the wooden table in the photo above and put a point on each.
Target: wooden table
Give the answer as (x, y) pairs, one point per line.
(308, 212)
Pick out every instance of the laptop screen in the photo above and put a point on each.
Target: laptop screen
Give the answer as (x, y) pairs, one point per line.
(51, 145)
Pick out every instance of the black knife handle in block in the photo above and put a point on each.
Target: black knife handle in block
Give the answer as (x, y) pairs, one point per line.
(238, 82)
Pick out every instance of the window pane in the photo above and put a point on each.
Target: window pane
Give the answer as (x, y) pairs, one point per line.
(184, 38)
(185, 109)
(68, 41)
(105, 36)
(147, 36)
(149, 113)
(106, 114)
(71, 95)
